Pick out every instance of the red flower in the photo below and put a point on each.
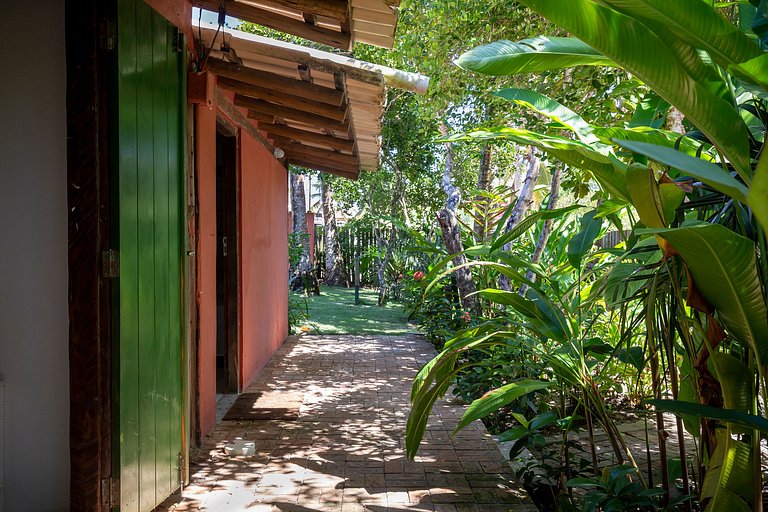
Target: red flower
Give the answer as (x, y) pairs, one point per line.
(418, 275)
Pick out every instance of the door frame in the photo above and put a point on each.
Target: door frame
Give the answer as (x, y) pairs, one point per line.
(233, 267)
(88, 197)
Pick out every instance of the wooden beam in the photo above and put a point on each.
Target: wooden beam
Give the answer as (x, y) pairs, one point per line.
(336, 9)
(288, 100)
(310, 137)
(273, 109)
(350, 166)
(268, 80)
(352, 175)
(226, 106)
(279, 22)
(331, 157)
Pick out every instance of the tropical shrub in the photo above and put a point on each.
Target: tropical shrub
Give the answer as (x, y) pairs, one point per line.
(690, 282)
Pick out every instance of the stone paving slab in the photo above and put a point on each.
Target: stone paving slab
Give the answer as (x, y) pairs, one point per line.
(346, 452)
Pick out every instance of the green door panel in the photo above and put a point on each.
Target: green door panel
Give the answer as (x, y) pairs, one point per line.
(149, 393)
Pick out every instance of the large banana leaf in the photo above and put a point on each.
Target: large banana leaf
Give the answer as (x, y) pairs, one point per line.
(723, 265)
(729, 480)
(531, 56)
(700, 27)
(747, 421)
(608, 170)
(641, 51)
(654, 202)
(555, 111)
(709, 173)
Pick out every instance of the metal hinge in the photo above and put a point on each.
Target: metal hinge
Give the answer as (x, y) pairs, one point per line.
(110, 493)
(182, 470)
(178, 41)
(110, 263)
(107, 35)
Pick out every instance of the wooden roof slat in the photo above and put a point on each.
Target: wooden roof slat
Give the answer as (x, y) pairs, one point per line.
(273, 109)
(336, 9)
(279, 22)
(295, 148)
(269, 80)
(351, 175)
(276, 96)
(309, 160)
(310, 137)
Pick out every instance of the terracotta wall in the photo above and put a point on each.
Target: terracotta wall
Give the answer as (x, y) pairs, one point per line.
(263, 245)
(263, 256)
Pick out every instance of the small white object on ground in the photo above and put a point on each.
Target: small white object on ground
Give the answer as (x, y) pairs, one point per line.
(240, 448)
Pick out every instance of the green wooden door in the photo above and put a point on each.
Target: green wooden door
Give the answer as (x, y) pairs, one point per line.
(149, 390)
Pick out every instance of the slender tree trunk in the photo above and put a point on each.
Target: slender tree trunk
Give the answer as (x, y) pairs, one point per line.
(484, 179)
(546, 230)
(304, 273)
(452, 234)
(387, 247)
(523, 204)
(334, 266)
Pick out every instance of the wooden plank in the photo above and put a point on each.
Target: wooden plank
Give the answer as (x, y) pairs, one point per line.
(163, 135)
(373, 16)
(276, 21)
(269, 80)
(128, 416)
(349, 166)
(301, 150)
(374, 5)
(273, 109)
(311, 137)
(143, 360)
(226, 106)
(336, 9)
(279, 97)
(352, 175)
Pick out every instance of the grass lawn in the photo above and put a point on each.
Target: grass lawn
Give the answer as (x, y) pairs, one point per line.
(335, 312)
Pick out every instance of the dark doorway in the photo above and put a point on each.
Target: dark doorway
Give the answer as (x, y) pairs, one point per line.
(227, 296)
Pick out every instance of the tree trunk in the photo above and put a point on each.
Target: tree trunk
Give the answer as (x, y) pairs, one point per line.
(388, 248)
(452, 234)
(546, 230)
(334, 266)
(523, 204)
(304, 275)
(484, 179)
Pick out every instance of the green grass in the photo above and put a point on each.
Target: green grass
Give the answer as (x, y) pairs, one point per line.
(335, 312)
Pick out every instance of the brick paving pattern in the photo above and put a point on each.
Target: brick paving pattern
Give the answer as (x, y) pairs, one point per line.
(346, 452)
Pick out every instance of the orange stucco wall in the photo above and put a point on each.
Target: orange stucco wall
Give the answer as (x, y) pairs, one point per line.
(263, 253)
(205, 147)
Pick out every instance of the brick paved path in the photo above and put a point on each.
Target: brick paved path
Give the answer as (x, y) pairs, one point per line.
(346, 450)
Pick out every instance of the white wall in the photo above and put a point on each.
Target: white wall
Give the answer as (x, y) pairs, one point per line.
(33, 256)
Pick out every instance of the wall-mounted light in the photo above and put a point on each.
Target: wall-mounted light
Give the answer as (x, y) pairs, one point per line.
(279, 153)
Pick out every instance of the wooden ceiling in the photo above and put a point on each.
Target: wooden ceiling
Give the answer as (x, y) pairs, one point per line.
(336, 23)
(324, 114)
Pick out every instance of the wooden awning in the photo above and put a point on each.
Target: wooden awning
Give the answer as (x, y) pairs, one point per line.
(337, 23)
(322, 110)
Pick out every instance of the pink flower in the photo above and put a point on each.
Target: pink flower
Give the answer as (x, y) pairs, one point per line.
(418, 275)
(466, 317)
